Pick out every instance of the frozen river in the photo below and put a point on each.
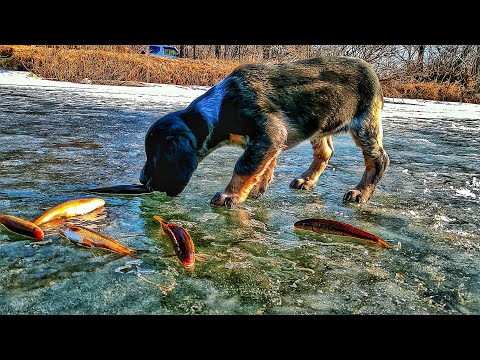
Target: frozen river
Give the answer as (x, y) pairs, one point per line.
(59, 138)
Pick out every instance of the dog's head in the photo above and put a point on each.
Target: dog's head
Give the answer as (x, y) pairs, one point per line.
(171, 150)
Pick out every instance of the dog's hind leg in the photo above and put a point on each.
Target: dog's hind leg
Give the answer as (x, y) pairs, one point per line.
(256, 163)
(322, 152)
(367, 134)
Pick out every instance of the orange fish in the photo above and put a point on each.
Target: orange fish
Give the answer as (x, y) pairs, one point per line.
(22, 227)
(181, 240)
(324, 226)
(89, 238)
(70, 208)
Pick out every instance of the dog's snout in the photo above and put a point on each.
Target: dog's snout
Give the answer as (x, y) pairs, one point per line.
(154, 184)
(149, 186)
(145, 174)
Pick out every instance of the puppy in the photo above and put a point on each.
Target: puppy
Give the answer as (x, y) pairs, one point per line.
(267, 109)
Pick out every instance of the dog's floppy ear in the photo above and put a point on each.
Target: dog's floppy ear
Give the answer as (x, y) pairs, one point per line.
(180, 145)
(171, 149)
(197, 124)
(181, 161)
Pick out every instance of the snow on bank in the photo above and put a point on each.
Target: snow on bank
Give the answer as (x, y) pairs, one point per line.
(418, 109)
(164, 92)
(175, 93)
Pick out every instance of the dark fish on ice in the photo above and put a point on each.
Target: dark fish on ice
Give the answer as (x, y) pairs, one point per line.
(131, 189)
(181, 240)
(325, 226)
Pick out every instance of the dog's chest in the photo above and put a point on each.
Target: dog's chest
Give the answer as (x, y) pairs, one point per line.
(234, 139)
(239, 140)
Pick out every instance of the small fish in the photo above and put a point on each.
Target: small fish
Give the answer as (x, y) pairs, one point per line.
(324, 226)
(181, 240)
(71, 208)
(132, 189)
(89, 238)
(22, 227)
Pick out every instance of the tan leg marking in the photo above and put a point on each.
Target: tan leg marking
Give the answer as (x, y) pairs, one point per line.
(322, 152)
(264, 180)
(240, 186)
(268, 145)
(369, 138)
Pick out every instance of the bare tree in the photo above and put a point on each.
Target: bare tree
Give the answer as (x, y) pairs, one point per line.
(406, 63)
(420, 58)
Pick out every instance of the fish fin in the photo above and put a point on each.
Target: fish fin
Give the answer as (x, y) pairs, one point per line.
(82, 245)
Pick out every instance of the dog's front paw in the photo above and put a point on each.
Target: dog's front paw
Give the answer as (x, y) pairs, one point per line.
(222, 199)
(356, 196)
(302, 184)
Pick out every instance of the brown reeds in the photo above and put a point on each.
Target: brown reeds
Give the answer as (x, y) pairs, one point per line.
(125, 65)
(100, 66)
(430, 91)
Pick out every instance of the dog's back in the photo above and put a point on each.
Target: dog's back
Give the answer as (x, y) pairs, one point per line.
(320, 94)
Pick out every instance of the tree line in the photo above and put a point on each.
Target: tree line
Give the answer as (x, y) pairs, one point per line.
(454, 64)
(421, 63)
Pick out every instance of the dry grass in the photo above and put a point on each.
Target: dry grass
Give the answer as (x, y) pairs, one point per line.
(431, 91)
(119, 67)
(122, 66)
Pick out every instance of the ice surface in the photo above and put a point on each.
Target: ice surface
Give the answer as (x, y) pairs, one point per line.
(59, 138)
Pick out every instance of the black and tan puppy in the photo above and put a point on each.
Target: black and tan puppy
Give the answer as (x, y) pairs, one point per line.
(266, 109)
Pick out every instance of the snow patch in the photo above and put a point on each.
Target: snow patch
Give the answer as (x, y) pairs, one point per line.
(466, 193)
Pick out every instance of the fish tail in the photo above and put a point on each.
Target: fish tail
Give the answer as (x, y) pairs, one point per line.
(141, 251)
(134, 254)
(159, 219)
(122, 249)
(383, 243)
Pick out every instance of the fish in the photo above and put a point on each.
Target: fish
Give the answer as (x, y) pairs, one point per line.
(132, 189)
(89, 238)
(70, 208)
(94, 216)
(181, 240)
(22, 227)
(325, 226)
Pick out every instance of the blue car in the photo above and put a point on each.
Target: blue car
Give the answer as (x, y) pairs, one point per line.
(163, 50)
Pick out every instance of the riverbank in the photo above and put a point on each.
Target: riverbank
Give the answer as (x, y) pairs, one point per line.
(130, 68)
